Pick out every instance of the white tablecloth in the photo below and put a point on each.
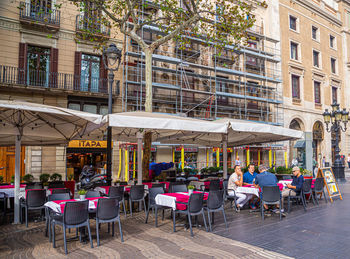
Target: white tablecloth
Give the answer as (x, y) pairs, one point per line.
(10, 192)
(165, 200)
(249, 190)
(285, 182)
(57, 208)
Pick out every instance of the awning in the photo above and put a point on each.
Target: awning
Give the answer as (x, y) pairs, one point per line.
(301, 144)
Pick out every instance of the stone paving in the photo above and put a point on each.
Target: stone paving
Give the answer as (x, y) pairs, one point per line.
(141, 241)
(322, 232)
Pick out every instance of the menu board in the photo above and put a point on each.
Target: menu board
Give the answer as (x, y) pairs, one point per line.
(330, 182)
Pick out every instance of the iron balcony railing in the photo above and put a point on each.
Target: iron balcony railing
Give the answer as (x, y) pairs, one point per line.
(91, 25)
(43, 79)
(39, 14)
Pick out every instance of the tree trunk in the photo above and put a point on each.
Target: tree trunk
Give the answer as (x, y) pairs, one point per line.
(147, 139)
(148, 72)
(147, 142)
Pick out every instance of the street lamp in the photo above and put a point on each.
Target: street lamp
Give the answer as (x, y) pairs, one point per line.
(335, 119)
(112, 57)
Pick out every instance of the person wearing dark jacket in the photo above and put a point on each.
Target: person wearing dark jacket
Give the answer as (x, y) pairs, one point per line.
(295, 187)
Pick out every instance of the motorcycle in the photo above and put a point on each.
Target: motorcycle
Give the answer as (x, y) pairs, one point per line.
(88, 179)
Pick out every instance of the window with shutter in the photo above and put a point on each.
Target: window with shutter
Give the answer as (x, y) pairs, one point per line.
(22, 63)
(54, 68)
(77, 70)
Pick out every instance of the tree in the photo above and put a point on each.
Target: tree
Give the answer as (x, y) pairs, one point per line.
(217, 22)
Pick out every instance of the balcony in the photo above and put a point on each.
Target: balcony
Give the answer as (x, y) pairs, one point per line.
(92, 26)
(39, 16)
(34, 79)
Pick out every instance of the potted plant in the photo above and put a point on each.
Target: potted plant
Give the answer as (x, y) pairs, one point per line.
(190, 189)
(12, 179)
(44, 178)
(70, 177)
(1, 178)
(82, 194)
(117, 182)
(56, 177)
(28, 178)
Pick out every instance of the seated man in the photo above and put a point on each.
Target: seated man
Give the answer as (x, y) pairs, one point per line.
(295, 187)
(235, 181)
(265, 178)
(249, 178)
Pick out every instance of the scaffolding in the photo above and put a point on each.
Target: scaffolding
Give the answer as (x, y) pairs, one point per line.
(242, 83)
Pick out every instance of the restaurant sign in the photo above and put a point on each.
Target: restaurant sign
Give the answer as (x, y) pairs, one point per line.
(87, 144)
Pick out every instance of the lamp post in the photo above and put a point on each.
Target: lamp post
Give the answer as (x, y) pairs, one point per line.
(337, 118)
(111, 60)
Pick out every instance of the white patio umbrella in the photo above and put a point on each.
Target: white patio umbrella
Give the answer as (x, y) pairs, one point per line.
(239, 133)
(128, 126)
(24, 123)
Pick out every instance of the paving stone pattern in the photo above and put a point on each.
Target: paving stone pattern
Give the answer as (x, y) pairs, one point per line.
(141, 241)
(321, 232)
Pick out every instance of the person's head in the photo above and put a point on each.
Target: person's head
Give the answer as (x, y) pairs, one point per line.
(262, 168)
(237, 158)
(237, 168)
(296, 171)
(251, 168)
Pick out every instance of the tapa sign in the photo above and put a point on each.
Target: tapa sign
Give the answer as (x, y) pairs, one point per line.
(87, 144)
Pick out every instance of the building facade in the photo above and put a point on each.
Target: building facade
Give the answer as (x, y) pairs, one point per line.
(315, 72)
(43, 59)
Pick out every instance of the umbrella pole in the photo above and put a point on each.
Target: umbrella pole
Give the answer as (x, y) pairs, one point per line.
(17, 178)
(139, 136)
(224, 154)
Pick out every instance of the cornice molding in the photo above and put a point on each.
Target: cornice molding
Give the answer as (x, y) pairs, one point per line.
(314, 8)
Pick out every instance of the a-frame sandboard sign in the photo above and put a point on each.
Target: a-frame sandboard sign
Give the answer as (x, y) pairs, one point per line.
(330, 182)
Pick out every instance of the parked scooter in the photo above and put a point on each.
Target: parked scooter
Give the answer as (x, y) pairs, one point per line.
(88, 179)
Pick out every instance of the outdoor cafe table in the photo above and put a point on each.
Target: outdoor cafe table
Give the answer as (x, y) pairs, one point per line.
(170, 199)
(9, 190)
(289, 181)
(148, 185)
(58, 206)
(251, 189)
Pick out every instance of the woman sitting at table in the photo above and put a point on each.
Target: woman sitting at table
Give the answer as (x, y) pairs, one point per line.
(235, 181)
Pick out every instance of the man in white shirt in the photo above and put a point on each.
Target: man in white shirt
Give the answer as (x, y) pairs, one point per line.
(235, 181)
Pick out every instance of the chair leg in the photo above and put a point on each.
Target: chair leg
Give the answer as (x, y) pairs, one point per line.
(303, 201)
(97, 232)
(262, 209)
(46, 223)
(280, 209)
(124, 207)
(53, 235)
(190, 223)
(316, 198)
(163, 215)
(144, 205)
(288, 204)
(324, 194)
(130, 205)
(65, 240)
(88, 227)
(174, 221)
(120, 230)
(209, 221)
(147, 213)
(113, 229)
(205, 221)
(26, 212)
(223, 213)
(156, 216)
(109, 228)
(313, 198)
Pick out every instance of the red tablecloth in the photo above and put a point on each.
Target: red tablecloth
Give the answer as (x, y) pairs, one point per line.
(183, 197)
(62, 203)
(70, 185)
